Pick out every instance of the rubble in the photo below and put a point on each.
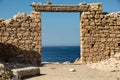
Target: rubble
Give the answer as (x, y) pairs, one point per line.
(66, 62)
(111, 64)
(5, 73)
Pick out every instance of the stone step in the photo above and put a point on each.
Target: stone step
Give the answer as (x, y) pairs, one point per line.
(26, 72)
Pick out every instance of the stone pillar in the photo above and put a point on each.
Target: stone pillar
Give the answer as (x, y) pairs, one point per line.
(38, 33)
(37, 24)
(90, 37)
(81, 41)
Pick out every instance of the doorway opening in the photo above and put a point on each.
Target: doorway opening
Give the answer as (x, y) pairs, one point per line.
(60, 37)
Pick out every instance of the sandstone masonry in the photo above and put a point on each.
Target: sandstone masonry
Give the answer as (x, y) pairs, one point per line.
(100, 34)
(99, 31)
(20, 36)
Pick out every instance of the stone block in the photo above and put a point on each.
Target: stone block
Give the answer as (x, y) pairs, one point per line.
(26, 72)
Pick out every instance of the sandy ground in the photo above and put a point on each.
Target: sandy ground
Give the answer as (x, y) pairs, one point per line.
(62, 72)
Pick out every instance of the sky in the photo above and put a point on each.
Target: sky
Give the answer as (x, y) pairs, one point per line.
(58, 29)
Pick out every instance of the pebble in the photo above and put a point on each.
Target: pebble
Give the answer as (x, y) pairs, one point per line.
(72, 70)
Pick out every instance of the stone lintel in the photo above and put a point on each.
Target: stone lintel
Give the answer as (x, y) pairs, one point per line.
(60, 8)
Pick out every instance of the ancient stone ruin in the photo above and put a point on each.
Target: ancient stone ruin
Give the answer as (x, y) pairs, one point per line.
(20, 36)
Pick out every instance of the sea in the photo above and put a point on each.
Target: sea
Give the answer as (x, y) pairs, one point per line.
(60, 53)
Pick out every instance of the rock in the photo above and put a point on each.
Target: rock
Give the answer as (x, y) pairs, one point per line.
(116, 55)
(7, 22)
(78, 61)
(26, 72)
(72, 70)
(39, 3)
(66, 62)
(111, 64)
(33, 4)
(5, 73)
(25, 24)
(16, 24)
(1, 66)
(83, 3)
(48, 3)
(1, 19)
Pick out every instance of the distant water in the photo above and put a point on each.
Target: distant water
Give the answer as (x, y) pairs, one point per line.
(60, 53)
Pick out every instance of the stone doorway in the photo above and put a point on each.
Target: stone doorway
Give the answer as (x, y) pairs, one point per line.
(90, 38)
(65, 25)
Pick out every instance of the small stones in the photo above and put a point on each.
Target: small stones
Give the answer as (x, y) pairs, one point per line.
(5, 73)
(112, 65)
(33, 4)
(39, 4)
(66, 62)
(7, 22)
(84, 3)
(48, 3)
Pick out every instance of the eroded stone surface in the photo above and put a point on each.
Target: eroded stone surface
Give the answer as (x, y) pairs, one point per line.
(111, 64)
(26, 72)
(20, 38)
(82, 7)
(99, 36)
(99, 33)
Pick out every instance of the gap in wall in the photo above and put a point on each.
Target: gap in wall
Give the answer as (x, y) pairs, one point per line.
(60, 37)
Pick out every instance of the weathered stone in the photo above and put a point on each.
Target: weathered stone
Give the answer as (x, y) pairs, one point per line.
(25, 24)
(16, 24)
(18, 32)
(26, 72)
(5, 73)
(99, 33)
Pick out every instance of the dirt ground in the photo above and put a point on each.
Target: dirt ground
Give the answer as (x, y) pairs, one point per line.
(82, 72)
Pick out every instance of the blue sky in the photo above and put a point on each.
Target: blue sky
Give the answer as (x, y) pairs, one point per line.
(57, 28)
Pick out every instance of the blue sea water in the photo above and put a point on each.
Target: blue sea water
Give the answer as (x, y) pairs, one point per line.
(60, 53)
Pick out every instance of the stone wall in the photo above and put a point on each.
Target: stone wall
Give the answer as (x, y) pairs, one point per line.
(99, 31)
(20, 38)
(100, 34)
